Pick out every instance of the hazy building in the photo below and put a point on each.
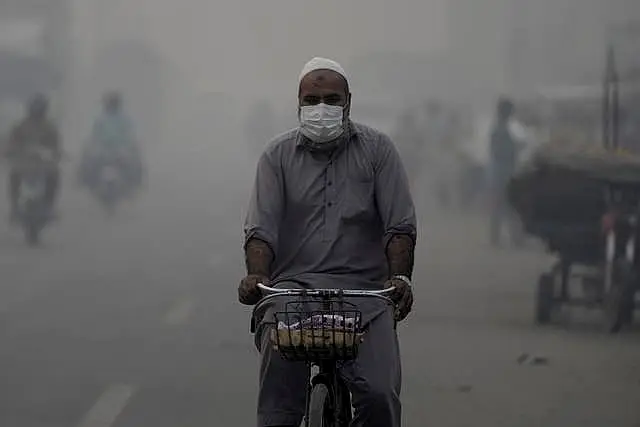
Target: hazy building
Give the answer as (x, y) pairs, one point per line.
(514, 44)
(34, 46)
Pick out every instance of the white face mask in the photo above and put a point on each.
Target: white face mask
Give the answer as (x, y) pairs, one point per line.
(321, 123)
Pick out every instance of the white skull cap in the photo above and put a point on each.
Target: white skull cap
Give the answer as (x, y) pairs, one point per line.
(318, 63)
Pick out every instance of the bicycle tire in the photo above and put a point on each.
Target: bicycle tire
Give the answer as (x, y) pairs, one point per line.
(319, 398)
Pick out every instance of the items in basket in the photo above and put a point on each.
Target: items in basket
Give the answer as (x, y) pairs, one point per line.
(322, 321)
(318, 331)
(321, 338)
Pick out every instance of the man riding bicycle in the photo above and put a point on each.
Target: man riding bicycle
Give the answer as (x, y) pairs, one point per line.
(331, 207)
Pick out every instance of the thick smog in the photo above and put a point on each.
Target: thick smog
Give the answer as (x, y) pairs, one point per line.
(364, 213)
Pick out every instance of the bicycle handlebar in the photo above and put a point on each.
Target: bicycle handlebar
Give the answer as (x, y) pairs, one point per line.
(272, 293)
(323, 292)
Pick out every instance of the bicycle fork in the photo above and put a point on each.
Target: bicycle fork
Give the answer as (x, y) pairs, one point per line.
(338, 399)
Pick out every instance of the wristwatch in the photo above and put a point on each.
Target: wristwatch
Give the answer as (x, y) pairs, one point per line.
(402, 277)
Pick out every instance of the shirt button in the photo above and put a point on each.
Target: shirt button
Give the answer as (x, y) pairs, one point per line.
(329, 204)
(329, 183)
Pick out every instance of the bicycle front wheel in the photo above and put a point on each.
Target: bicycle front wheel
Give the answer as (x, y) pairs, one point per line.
(320, 412)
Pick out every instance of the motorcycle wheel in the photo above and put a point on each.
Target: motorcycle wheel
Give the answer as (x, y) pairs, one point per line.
(109, 205)
(32, 223)
(107, 198)
(110, 209)
(32, 234)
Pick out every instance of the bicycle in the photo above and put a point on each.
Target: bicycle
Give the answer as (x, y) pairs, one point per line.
(321, 338)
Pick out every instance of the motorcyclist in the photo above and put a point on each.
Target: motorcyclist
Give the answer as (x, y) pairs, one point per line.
(35, 130)
(113, 137)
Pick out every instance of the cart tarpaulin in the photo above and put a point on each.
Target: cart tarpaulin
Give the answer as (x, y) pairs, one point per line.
(563, 184)
(23, 75)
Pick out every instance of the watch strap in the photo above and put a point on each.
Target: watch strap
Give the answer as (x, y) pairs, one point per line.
(402, 277)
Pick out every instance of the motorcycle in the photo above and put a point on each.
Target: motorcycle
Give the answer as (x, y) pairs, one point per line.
(33, 212)
(111, 184)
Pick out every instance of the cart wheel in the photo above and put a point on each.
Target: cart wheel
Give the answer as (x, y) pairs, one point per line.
(544, 299)
(619, 299)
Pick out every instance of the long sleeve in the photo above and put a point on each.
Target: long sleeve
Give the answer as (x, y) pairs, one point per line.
(393, 196)
(266, 204)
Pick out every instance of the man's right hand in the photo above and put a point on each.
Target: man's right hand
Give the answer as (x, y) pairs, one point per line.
(248, 292)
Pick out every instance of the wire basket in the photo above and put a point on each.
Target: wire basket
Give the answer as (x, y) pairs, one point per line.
(332, 332)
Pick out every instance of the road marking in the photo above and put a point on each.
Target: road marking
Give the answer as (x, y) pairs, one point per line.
(180, 312)
(108, 407)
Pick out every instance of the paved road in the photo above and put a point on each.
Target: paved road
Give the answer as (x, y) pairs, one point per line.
(133, 322)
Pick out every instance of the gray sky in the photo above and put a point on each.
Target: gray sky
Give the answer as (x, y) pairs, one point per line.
(255, 50)
(258, 49)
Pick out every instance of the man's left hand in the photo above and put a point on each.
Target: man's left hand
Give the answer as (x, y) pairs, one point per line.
(402, 296)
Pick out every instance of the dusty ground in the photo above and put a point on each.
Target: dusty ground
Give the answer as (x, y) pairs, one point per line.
(133, 321)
